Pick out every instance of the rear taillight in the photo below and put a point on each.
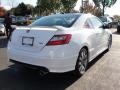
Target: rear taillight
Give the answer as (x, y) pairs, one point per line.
(60, 39)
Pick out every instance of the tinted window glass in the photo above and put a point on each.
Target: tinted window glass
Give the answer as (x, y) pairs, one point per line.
(56, 20)
(103, 19)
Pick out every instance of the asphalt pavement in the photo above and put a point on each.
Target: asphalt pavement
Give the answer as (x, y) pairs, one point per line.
(103, 73)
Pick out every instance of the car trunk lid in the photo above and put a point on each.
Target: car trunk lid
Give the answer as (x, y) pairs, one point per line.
(32, 38)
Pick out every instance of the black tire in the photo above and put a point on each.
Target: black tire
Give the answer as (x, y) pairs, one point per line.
(118, 29)
(23, 69)
(82, 62)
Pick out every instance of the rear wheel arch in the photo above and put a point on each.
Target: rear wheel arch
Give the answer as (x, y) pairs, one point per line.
(86, 47)
(77, 68)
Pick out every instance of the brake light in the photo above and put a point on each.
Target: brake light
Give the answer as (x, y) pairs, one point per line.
(60, 39)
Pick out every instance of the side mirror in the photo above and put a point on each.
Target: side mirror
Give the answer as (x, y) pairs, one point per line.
(106, 26)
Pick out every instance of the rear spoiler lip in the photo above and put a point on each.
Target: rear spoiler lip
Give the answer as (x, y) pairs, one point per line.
(51, 27)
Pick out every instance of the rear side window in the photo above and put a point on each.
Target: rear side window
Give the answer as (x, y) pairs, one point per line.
(87, 24)
(96, 22)
(56, 20)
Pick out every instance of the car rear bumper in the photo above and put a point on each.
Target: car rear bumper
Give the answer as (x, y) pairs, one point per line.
(43, 69)
(53, 64)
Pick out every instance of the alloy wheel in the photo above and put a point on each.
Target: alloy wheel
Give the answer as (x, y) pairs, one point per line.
(82, 61)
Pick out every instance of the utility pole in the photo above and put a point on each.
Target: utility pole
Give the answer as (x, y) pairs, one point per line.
(84, 3)
(103, 7)
(82, 7)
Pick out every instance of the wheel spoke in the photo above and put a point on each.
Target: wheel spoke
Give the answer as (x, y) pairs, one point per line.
(83, 61)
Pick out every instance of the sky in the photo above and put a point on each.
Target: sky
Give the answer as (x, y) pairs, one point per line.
(8, 3)
(114, 10)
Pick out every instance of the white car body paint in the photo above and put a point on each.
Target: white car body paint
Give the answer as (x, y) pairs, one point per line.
(59, 58)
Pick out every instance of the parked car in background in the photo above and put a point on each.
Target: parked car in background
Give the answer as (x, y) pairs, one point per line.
(2, 29)
(20, 20)
(23, 20)
(106, 20)
(2, 20)
(14, 21)
(31, 20)
(60, 43)
(118, 27)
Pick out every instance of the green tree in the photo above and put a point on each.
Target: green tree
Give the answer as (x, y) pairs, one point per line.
(23, 9)
(55, 5)
(30, 9)
(89, 8)
(116, 18)
(42, 6)
(20, 9)
(46, 7)
(104, 3)
(107, 3)
(68, 5)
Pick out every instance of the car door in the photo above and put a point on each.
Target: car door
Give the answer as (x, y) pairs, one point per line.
(104, 35)
(91, 39)
(100, 34)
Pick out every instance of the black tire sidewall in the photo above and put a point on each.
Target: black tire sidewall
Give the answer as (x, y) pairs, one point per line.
(109, 42)
(78, 74)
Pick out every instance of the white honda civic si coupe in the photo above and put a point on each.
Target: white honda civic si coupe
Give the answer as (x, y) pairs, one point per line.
(60, 43)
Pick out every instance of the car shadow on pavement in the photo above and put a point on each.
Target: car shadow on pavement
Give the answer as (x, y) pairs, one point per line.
(12, 79)
(116, 33)
(3, 42)
(20, 79)
(97, 59)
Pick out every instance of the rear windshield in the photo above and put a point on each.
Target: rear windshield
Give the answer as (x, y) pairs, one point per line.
(56, 20)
